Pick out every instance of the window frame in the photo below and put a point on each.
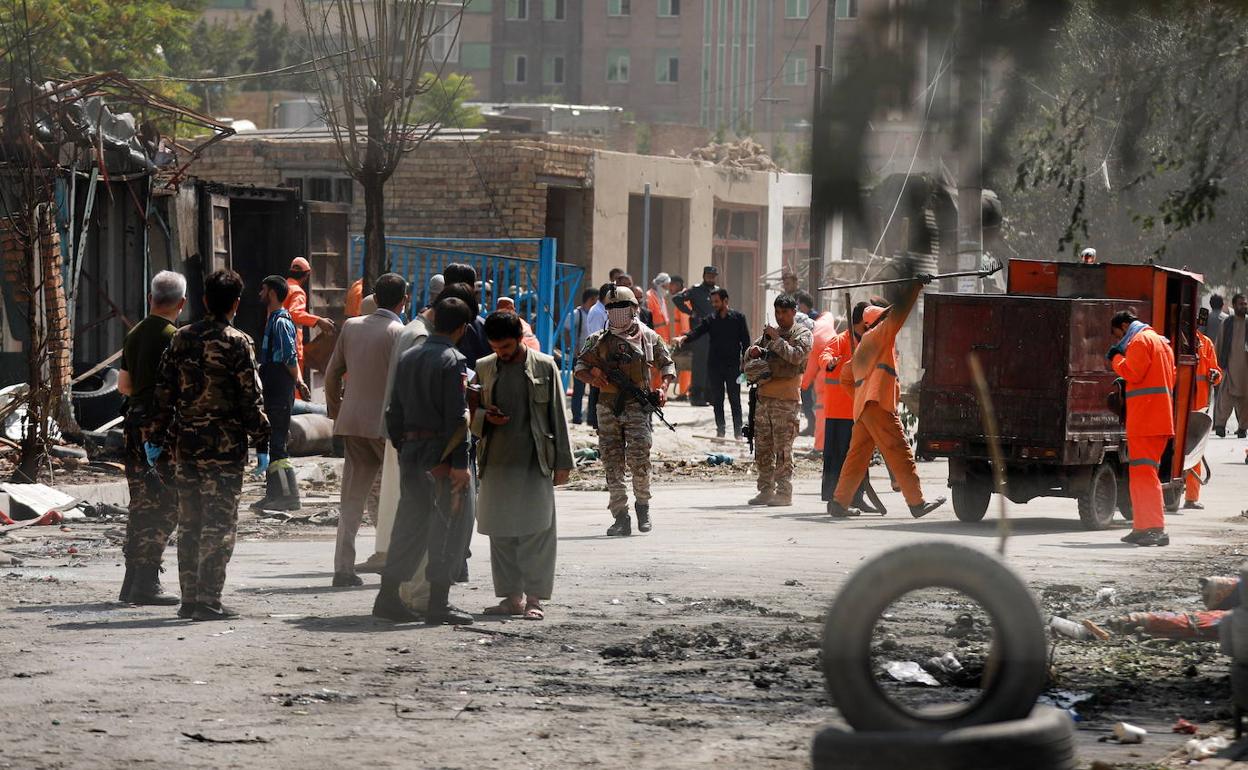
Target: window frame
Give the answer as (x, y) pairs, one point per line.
(796, 71)
(669, 4)
(614, 56)
(663, 62)
(562, 72)
(801, 9)
(851, 9)
(623, 9)
(512, 69)
(521, 10)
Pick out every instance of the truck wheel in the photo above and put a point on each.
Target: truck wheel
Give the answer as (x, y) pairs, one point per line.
(1097, 503)
(1173, 494)
(971, 498)
(1124, 499)
(1020, 651)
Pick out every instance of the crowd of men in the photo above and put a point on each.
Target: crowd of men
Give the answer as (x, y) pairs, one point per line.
(457, 414)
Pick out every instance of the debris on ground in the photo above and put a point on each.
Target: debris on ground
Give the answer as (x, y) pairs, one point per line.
(1171, 625)
(718, 458)
(201, 738)
(1205, 748)
(1220, 592)
(743, 154)
(1184, 727)
(1129, 733)
(909, 672)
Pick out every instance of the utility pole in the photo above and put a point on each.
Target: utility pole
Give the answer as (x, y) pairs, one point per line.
(970, 84)
(821, 209)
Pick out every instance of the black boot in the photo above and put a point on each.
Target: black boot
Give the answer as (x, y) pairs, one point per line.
(283, 490)
(643, 517)
(214, 611)
(442, 612)
(623, 526)
(186, 610)
(126, 582)
(389, 605)
(146, 588)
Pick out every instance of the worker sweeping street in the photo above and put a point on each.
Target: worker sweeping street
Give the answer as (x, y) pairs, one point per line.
(1143, 359)
(873, 375)
(1208, 375)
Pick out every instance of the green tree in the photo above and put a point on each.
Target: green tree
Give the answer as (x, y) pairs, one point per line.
(443, 102)
(271, 48)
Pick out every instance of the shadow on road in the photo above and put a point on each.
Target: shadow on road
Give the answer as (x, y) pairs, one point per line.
(146, 623)
(1019, 527)
(303, 590)
(86, 607)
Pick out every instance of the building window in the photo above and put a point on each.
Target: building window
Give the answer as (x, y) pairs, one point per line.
(444, 36)
(517, 10)
(619, 7)
(846, 9)
(518, 69)
(668, 8)
(334, 189)
(553, 74)
(556, 10)
(617, 65)
(667, 67)
(795, 70)
(798, 9)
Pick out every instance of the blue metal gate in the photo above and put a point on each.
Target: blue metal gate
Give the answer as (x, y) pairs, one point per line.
(546, 291)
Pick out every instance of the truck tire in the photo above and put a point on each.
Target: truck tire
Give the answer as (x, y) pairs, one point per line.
(1098, 501)
(1042, 741)
(971, 498)
(1019, 645)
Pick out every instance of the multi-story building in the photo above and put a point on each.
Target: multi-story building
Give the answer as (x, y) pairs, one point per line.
(537, 52)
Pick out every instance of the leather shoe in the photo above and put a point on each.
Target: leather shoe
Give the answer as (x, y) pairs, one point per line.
(187, 610)
(922, 509)
(448, 615)
(1132, 536)
(347, 580)
(215, 611)
(1194, 505)
(1152, 537)
(838, 511)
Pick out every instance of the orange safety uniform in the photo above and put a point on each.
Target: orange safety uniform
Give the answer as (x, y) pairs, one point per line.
(355, 296)
(658, 314)
(297, 305)
(825, 332)
(680, 325)
(1208, 375)
(872, 376)
(1148, 368)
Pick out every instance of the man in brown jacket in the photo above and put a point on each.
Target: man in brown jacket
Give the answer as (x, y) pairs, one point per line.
(784, 348)
(363, 354)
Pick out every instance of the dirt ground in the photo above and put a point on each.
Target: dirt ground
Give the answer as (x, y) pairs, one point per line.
(694, 646)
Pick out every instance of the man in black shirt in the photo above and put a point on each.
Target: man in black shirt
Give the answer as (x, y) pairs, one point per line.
(729, 338)
(696, 303)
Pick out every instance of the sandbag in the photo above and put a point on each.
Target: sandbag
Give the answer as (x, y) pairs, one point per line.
(310, 434)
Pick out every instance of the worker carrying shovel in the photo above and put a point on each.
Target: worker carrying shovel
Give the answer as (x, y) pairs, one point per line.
(1143, 359)
(872, 374)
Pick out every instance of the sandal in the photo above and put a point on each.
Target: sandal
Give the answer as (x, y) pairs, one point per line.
(533, 611)
(505, 607)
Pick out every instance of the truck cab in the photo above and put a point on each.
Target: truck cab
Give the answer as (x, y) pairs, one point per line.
(1042, 348)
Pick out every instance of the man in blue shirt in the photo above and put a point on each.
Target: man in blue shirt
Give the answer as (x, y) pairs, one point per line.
(280, 377)
(578, 327)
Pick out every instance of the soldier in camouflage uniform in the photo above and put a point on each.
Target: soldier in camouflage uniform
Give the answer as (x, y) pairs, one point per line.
(624, 431)
(208, 393)
(153, 496)
(784, 348)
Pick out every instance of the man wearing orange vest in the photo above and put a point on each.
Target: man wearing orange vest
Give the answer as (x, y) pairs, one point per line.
(872, 375)
(681, 325)
(1208, 375)
(656, 302)
(297, 305)
(1143, 358)
(837, 415)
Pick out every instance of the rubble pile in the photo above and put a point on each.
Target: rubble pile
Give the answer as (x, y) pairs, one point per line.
(744, 154)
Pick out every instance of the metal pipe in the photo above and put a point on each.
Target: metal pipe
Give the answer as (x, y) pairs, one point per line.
(892, 281)
(645, 239)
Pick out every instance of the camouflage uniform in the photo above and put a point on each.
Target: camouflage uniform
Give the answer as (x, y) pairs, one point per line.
(624, 440)
(208, 392)
(776, 414)
(153, 498)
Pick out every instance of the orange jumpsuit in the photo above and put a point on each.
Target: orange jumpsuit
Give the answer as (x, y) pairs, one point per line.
(297, 305)
(873, 376)
(355, 296)
(825, 332)
(658, 314)
(1148, 368)
(680, 327)
(1208, 374)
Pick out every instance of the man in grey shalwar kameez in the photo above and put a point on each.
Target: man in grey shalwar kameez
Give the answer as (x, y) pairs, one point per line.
(524, 452)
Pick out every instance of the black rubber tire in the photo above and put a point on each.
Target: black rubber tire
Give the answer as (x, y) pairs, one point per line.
(1097, 503)
(1019, 644)
(1173, 496)
(1045, 740)
(96, 386)
(971, 498)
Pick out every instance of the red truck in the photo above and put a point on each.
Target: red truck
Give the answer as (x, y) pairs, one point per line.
(1042, 346)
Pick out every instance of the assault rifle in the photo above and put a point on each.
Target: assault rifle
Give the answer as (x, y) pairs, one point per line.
(648, 400)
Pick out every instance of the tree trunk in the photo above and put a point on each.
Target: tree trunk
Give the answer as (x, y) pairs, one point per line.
(375, 262)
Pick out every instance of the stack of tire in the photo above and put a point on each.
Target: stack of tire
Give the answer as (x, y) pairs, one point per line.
(1233, 639)
(1003, 728)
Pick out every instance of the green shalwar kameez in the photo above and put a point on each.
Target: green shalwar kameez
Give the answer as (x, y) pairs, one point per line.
(516, 501)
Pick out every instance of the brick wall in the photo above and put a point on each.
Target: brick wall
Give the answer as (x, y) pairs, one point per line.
(47, 276)
(490, 188)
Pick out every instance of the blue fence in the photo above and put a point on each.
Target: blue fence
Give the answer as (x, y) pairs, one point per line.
(545, 290)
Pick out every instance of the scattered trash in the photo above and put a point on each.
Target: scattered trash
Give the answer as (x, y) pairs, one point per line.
(1220, 592)
(101, 513)
(36, 501)
(945, 664)
(657, 599)
(909, 672)
(1064, 699)
(792, 583)
(1129, 733)
(616, 601)
(1107, 595)
(1206, 748)
(305, 669)
(1070, 629)
(743, 154)
(585, 456)
(718, 458)
(201, 738)
(8, 560)
(1184, 727)
(1171, 625)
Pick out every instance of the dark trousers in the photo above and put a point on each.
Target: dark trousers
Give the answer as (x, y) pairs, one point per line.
(721, 379)
(426, 522)
(208, 493)
(836, 434)
(578, 394)
(701, 366)
(153, 500)
(279, 400)
(808, 409)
